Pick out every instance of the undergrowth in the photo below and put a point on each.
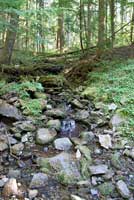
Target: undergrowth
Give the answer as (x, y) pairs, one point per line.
(23, 90)
(115, 83)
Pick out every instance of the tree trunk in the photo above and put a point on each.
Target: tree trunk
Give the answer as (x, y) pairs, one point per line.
(6, 54)
(81, 25)
(112, 12)
(89, 24)
(60, 31)
(41, 32)
(101, 28)
(132, 27)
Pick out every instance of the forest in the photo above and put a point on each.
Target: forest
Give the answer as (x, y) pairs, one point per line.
(66, 99)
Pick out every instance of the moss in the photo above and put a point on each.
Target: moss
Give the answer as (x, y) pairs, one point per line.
(106, 189)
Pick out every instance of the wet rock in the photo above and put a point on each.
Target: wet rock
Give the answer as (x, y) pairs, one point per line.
(94, 192)
(39, 180)
(75, 197)
(11, 188)
(105, 141)
(3, 146)
(63, 144)
(123, 189)
(98, 169)
(106, 189)
(86, 152)
(54, 124)
(116, 121)
(45, 136)
(32, 194)
(77, 104)
(17, 149)
(7, 110)
(56, 113)
(64, 165)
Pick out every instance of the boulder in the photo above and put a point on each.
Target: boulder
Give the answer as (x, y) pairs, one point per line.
(45, 136)
(54, 124)
(63, 144)
(38, 180)
(98, 169)
(123, 189)
(9, 111)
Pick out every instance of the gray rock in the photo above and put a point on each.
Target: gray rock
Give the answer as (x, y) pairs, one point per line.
(98, 169)
(64, 165)
(129, 153)
(63, 144)
(2, 183)
(82, 115)
(3, 146)
(112, 106)
(115, 160)
(45, 136)
(7, 110)
(17, 149)
(54, 124)
(77, 104)
(24, 126)
(14, 173)
(87, 136)
(56, 113)
(39, 180)
(123, 189)
(75, 197)
(32, 194)
(105, 141)
(116, 121)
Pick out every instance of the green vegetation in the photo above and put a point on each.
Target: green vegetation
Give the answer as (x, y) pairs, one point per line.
(29, 106)
(114, 83)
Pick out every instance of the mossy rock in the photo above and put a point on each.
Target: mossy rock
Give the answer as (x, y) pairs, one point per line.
(90, 92)
(106, 189)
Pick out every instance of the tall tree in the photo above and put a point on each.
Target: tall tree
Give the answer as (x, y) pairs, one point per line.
(101, 27)
(112, 15)
(6, 54)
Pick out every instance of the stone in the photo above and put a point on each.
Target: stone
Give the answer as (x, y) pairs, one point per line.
(32, 194)
(3, 146)
(112, 106)
(116, 121)
(123, 189)
(24, 126)
(54, 124)
(9, 111)
(45, 136)
(82, 115)
(2, 183)
(98, 169)
(64, 165)
(14, 173)
(87, 136)
(56, 113)
(38, 180)
(105, 141)
(78, 154)
(40, 95)
(17, 149)
(63, 144)
(129, 153)
(77, 104)
(10, 188)
(75, 197)
(115, 160)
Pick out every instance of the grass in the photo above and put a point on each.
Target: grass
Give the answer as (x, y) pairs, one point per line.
(115, 83)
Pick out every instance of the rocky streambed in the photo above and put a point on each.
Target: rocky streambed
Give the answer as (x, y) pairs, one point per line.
(71, 151)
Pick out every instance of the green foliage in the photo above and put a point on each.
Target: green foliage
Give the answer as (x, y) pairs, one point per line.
(115, 82)
(31, 107)
(22, 89)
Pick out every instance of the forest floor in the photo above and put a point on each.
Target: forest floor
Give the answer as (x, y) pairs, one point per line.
(62, 139)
